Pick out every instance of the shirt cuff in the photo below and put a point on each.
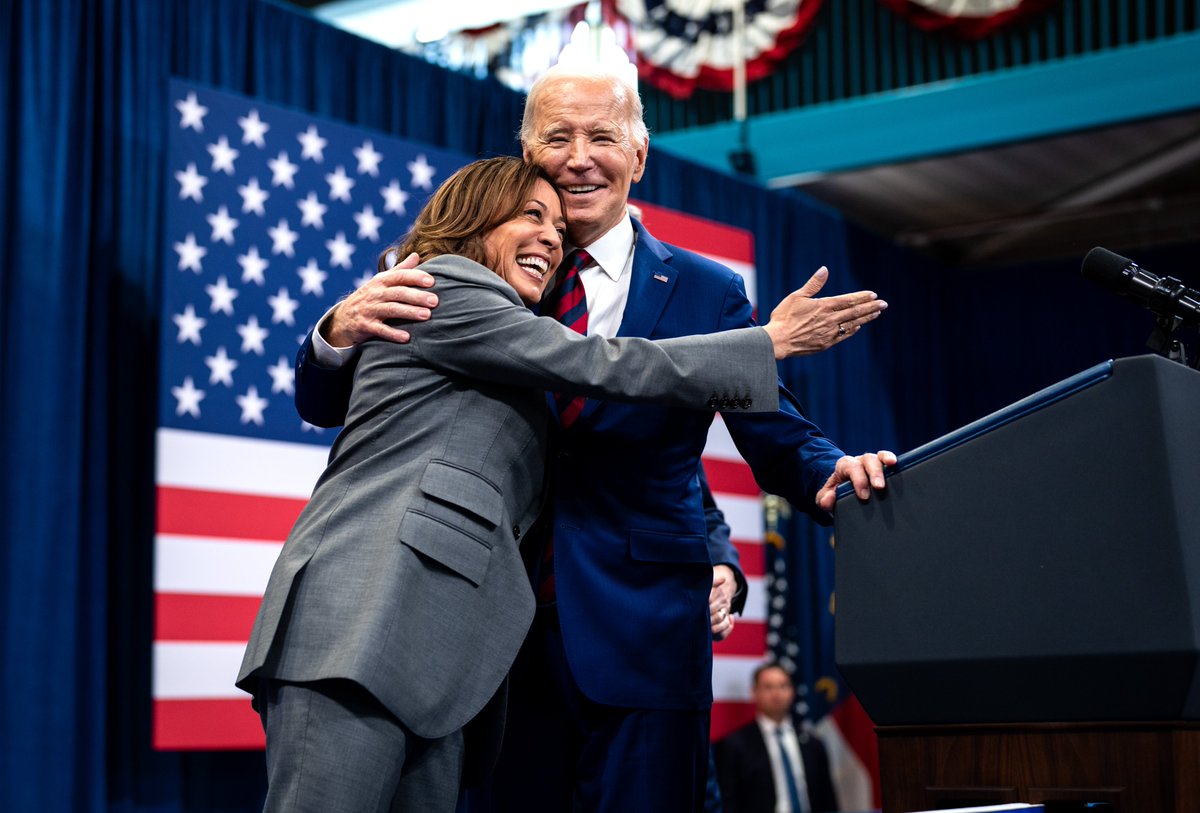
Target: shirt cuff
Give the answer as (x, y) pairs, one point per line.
(327, 355)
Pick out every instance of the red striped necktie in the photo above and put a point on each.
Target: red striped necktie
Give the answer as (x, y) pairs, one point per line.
(569, 306)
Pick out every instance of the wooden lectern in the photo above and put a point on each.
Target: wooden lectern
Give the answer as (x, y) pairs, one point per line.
(1020, 613)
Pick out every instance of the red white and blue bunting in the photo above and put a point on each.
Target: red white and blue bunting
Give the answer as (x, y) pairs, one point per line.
(971, 19)
(685, 44)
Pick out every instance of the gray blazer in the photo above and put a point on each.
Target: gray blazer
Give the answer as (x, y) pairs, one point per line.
(403, 572)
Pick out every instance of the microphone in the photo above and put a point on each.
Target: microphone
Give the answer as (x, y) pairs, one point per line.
(1166, 296)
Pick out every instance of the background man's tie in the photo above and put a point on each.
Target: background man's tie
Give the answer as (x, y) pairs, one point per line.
(789, 775)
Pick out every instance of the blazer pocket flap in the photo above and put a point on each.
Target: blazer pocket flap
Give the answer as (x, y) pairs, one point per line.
(465, 489)
(652, 546)
(446, 545)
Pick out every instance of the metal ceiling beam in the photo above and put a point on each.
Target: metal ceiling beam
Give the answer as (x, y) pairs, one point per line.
(1019, 104)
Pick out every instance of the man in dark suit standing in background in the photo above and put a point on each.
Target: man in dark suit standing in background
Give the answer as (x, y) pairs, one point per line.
(768, 765)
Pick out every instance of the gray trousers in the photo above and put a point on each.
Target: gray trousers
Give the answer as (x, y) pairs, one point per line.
(333, 748)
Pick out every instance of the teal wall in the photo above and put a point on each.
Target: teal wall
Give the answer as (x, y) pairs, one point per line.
(857, 48)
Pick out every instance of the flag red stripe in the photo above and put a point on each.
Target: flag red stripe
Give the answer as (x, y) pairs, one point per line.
(206, 725)
(748, 638)
(698, 234)
(728, 715)
(730, 477)
(753, 557)
(213, 513)
(190, 617)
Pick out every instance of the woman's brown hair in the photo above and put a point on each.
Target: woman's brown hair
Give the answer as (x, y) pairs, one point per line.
(468, 205)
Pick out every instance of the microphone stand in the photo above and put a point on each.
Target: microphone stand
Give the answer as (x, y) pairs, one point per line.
(1163, 342)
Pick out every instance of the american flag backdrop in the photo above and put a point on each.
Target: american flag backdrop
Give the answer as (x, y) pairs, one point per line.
(272, 215)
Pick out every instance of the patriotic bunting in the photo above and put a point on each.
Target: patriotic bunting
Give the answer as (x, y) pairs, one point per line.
(971, 19)
(685, 44)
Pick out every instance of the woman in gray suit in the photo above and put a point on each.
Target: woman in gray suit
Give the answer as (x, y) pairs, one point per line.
(400, 598)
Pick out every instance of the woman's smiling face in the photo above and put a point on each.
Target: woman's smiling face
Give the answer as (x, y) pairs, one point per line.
(526, 250)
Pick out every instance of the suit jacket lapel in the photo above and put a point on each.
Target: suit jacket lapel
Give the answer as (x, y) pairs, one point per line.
(650, 285)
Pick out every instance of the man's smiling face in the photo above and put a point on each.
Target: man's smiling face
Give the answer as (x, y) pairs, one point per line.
(582, 137)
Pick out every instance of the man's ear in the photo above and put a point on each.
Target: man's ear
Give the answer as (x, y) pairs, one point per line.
(640, 153)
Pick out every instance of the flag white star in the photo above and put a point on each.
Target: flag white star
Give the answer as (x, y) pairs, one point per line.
(368, 224)
(222, 226)
(368, 159)
(282, 376)
(253, 129)
(253, 197)
(252, 334)
(189, 325)
(394, 198)
(312, 145)
(363, 280)
(340, 251)
(422, 172)
(252, 406)
(222, 296)
(283, 171)
(187, 398)
(223, 156)
(283, 238)
(340, 184)
(253, 266)
(191, 183)
(220, 367)
(305, 426)
(190, 253)
(192, 113)
(312, 211)
(313, 279)
(283, 307)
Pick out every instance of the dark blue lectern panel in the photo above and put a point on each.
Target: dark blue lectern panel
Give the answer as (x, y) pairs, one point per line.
(1042, 564)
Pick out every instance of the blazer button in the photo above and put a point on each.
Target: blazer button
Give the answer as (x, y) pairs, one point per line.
(725, 403)
(747, 403)
(516, 532)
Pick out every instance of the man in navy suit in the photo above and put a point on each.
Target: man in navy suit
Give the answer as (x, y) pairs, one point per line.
(610, 698)
(770, 765)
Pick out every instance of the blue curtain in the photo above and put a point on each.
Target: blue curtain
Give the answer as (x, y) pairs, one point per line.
(83, 106)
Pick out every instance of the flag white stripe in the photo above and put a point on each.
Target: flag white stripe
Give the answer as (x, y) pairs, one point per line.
(756, 600)
(720, 443)
(850, 776)
(205, 565)
(197, 670)
(731, 677)
(240, 465)
(744, 515)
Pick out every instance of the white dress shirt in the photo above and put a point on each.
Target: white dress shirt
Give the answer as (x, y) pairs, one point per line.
(791, 745)
(607, 277)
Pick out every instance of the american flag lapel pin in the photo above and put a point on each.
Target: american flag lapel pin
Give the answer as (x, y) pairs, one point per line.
(661, 277)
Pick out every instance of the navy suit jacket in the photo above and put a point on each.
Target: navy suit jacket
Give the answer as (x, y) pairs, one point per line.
(633, 567)
(745, 778)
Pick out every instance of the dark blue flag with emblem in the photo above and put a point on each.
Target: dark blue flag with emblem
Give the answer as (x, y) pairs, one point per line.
(802, 607)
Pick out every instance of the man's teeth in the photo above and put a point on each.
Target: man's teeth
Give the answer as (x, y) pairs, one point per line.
(581, 189)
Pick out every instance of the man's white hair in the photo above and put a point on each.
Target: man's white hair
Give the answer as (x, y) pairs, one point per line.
(625, 94)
